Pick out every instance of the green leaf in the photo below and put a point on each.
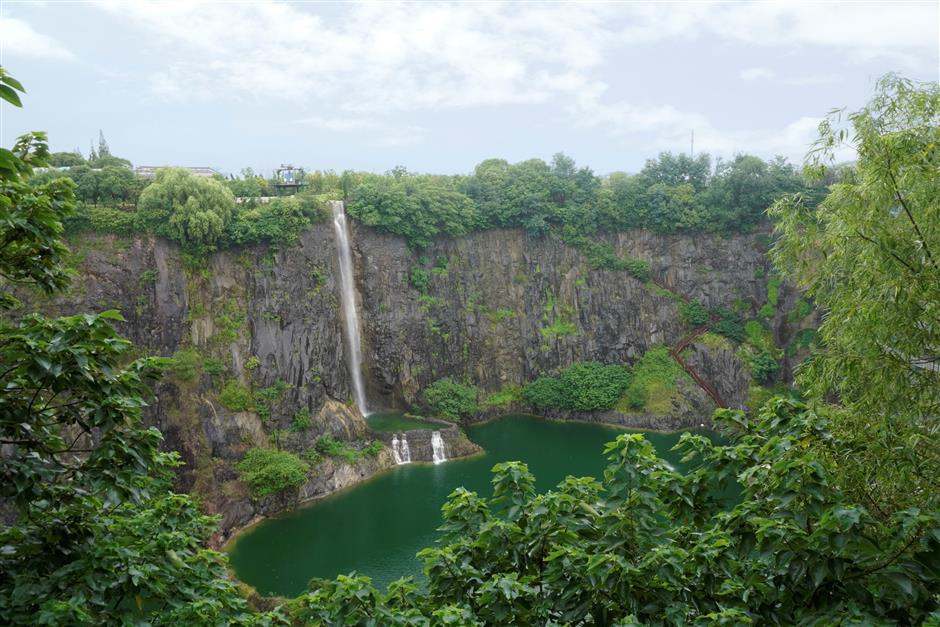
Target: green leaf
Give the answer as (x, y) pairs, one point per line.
(10, 96)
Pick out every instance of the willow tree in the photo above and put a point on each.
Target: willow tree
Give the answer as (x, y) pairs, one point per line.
(870, 257)
(191, 210)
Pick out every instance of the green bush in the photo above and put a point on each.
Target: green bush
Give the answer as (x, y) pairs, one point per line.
(236, 397)
(186, 365)
(147, 277)
(302, 420)
(331, 447)
(593, 386)
(273, 392)
(773, 291)
(278, 222)
(373, 449)
(561, 328)
(764, 367)
(585, 386)
(729, 325)
(451, 399)
(694, 313)
(419, 279)
(213, 367)
(268, 471)
(507, 395)
(546, 393)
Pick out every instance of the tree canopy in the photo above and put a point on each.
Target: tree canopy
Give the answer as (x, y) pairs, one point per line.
(869, 255)
(194, 211)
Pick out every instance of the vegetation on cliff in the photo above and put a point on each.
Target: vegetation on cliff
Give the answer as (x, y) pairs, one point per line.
(269, 471)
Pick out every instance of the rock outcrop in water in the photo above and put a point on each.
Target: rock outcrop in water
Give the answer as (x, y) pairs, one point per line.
(500, 308)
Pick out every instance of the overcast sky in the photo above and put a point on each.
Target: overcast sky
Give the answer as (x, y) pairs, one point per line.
(440, 87)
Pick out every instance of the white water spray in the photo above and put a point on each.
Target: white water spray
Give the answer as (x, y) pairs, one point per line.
(400, 451)
(350, 314)
(437, 448)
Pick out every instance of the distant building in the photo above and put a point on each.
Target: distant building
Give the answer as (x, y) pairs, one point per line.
(289, 180)
(150, 171)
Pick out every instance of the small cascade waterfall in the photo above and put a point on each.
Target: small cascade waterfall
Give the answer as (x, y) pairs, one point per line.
(437, 448)
(400, 451)
(350, 312)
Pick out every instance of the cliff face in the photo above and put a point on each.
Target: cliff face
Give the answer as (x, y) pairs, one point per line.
(499, 308)
(509, 307)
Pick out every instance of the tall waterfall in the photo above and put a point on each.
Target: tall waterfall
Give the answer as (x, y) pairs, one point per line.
(437, 448)
(350, 314)
(400, 451)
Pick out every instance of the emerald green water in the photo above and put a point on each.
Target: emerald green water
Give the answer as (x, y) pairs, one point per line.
(377, 527)
(395, 421)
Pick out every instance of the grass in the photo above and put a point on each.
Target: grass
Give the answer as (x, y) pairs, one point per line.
(658, 374)
(501, 398)
(559, 329)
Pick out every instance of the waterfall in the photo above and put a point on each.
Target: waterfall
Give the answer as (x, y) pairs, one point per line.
(396, 447)
(437, 448)
(400, 451)
(350, 314)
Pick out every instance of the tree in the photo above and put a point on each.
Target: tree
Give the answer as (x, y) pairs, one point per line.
(66, 159)
(451, 399)
(669, 169)
(870, 257)
(97, 536)
(191, 210)
(103, 149)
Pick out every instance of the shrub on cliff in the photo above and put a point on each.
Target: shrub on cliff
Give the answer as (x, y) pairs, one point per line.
(268, 471)
(694, 313)
(764, 367)
(451, 399)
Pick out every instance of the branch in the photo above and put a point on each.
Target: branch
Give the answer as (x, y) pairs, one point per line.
(910, 216)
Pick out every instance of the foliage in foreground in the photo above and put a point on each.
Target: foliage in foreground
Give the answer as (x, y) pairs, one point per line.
(651, 545)
(96, 535)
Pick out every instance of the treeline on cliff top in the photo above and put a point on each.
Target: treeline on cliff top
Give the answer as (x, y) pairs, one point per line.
(672, 193)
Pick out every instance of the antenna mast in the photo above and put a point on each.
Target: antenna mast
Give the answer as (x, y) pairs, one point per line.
(692, 145)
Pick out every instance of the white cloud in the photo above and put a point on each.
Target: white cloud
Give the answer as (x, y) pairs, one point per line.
(358, 66)
(380, 133)
(19, 39)
(756, 73)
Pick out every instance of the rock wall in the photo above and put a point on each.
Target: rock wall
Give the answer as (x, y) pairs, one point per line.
(500, 308)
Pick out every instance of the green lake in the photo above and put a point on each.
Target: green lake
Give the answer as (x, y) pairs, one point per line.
(376, 528)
